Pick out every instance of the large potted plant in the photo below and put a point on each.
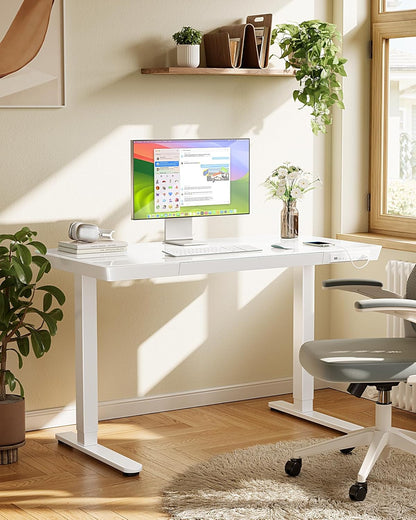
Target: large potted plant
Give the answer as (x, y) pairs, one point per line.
(188, 41)
(27, 322)
(310, 48)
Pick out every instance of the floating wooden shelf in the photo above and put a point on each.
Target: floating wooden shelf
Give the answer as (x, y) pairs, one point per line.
(211, 71)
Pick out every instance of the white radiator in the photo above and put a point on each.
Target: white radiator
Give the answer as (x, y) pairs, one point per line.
(404, 395)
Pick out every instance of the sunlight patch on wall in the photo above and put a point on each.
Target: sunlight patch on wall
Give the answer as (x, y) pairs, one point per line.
(350, 16)
(158, 356)
(92, 186)
(252, 283)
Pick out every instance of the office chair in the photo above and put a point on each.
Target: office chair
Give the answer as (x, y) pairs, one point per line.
(381, 362)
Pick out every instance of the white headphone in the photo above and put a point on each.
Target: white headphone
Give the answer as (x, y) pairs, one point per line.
(88, 232)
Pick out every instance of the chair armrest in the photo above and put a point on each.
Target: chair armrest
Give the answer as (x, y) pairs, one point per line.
(400, 307)
(370, 288)
(411, 380)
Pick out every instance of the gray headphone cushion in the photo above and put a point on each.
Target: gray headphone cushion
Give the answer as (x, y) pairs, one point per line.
(72, 231)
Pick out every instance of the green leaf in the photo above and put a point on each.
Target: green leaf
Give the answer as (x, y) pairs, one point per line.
(28, 273)
(46, 339)
(43, 264)
(39, 246)
(7, 237)
(10, 380)
(51, 323)
(57, 293)
(26, 292)
(56, 314)
(47, 301)
(22, 392)
(24, 254)
(23, 346)
(18, 269)
(37, 344)
(24, 234)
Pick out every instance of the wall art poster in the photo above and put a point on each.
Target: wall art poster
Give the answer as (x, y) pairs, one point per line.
(32, 53)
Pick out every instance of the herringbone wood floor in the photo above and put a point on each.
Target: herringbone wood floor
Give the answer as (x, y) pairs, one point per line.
(54, 482)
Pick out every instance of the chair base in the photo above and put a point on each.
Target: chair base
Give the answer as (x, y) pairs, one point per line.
(379, 439)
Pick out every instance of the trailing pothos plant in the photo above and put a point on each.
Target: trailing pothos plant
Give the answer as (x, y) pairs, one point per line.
(310, 48)
(27, 318)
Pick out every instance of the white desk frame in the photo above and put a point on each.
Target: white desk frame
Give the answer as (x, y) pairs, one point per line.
(144, 261)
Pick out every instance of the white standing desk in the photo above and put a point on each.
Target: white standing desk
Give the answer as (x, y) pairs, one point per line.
(146, 260)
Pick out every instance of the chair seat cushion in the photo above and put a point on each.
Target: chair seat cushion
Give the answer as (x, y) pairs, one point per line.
(364, 360)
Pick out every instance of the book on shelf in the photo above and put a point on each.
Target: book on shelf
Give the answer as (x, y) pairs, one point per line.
(235, 50)
(100, 247)
(261, 35)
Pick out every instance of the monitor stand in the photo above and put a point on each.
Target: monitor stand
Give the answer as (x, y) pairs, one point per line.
(178, 231)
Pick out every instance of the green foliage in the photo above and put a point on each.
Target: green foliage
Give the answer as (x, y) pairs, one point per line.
(401, 197)
(187, 36)
(22, 323)
(310, 48)
(407, 156)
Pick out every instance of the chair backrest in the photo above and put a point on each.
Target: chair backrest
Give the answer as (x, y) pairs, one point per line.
(409, 327)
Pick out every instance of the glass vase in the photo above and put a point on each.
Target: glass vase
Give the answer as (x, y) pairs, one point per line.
(289, 220)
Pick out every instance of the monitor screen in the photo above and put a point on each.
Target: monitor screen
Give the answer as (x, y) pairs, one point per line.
(190, 178)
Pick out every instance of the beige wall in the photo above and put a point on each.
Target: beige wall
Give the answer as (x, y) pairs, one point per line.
(72, 163)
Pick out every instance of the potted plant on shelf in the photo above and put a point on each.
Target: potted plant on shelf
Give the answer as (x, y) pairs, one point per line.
(311, 50)
(289, 183)
(188, 41)
(27, 322)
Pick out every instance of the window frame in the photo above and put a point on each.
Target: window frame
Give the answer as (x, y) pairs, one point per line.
(385, 25)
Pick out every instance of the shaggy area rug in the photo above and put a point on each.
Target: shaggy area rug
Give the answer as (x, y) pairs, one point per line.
(251, 484)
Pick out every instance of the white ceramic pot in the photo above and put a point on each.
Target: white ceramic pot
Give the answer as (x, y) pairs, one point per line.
(188, 55)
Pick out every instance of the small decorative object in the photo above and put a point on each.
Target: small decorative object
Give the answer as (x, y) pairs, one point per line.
(188, 42)
(289, 183)
(310, 49)
(27, 319)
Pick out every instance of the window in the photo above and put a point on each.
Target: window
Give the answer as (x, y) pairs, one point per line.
(398, 5)
(393, 113)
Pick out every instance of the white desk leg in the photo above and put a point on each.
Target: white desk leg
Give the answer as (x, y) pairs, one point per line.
(303, 330)
(85, 438)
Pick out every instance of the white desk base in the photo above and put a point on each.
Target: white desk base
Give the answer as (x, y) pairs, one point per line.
(127, 466)
(147, 261)
(303, 330)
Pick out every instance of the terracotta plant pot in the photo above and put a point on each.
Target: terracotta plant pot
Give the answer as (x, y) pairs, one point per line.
(12, 427)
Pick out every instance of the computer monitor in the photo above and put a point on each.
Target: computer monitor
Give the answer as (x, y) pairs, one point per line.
(179, 179)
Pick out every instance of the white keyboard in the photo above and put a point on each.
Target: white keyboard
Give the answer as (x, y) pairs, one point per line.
(210, 249)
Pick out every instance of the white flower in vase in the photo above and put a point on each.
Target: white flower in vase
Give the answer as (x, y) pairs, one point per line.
(289, 183)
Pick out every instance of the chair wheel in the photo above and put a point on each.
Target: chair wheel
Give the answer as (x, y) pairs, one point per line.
(345, 451)
(293, 467)
(358, 491)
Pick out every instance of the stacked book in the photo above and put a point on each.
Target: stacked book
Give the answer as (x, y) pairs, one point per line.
(92, 249)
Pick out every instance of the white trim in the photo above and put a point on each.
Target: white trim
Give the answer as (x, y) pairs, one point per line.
(53, 417)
